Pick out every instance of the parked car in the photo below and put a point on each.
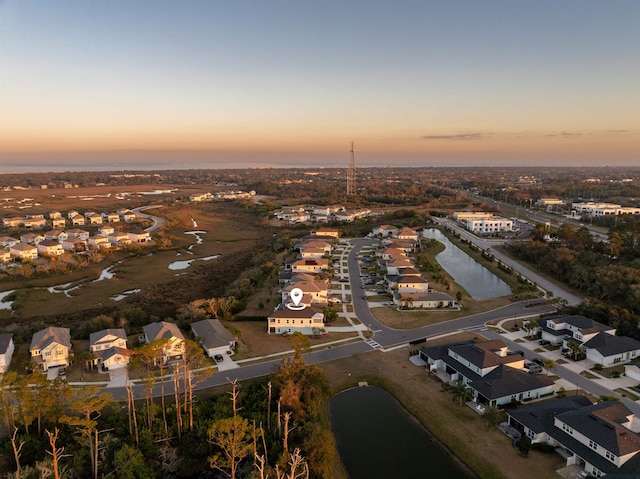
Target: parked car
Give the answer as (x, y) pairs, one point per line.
(538, 361)
(344, 280)
(544, 342)
(534, 368)
(219, 358)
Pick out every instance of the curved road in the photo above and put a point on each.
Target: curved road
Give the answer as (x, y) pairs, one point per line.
(384, 336)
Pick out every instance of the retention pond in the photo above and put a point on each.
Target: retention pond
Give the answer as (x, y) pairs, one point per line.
(378, 439)
(477, 280)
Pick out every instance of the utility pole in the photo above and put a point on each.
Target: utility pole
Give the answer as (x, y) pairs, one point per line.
(351, 174)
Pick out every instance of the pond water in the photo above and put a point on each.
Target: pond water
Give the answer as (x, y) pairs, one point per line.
(477, 280)
(184, 264)
(6, 304)
(378, 439)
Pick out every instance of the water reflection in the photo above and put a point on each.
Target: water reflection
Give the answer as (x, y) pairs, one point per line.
(477, 280)
(378, 439)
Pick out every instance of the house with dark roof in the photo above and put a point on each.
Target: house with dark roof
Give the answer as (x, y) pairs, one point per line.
(6, 351)
(170, 334)
(51, 347)
(560, 329)
(109, 348)
(603, 438)
(607, 349)
(494, 374)
(214, 337)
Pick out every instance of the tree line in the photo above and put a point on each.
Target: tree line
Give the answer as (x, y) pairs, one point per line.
(269, 428)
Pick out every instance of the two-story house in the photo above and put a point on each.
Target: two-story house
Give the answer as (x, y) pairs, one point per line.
(51, 347)
(602, 438)
(169, 334)
(109, 348)
(494, 375)
(6, 351)
(308, 321)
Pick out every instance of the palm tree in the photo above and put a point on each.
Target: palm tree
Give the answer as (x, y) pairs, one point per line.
(549, 364)
(461, 392)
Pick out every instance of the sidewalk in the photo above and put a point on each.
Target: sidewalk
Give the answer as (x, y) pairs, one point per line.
(578, 367)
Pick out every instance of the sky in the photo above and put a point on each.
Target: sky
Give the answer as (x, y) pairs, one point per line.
(145, 84)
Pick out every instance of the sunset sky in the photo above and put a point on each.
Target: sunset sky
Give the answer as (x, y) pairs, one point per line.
(219, 83)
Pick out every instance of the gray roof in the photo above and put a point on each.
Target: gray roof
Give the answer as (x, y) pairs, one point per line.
(97, 337)
(609, 345)
(5, 340)
(540, 417)
(506, 381)
(212, 333)
(162, 330)
(43, 338)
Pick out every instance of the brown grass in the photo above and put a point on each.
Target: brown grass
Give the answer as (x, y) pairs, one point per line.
(485, 449)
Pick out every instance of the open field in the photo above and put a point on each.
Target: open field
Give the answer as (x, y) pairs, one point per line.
(482, 447)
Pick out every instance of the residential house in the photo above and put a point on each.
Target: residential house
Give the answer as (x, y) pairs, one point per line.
(106, 230)
(24, 251)
(571, 331)
(31, 238)
(139, 236)
(13, 222)
(494, 375)
(384, 231)
(109, 348)
(411, 284)
(601, 438)
(5, 256)
(118, 238)
(6, 351)
(72, 214)
(407, 234)
(55, 214)
(127, 215)
(314, 249)
(328, 232)
(308, 321)
(94, 219)
(34, 222)
(78, 233)
(99, 242)
(58, 223)
(51, 347)
(50, 248)
(313, 292)
(78, 220)
(200, 197)
(169, 333)
(607, 349)
(74, 245)
(8, 241)
(424, 300)
(56, 235)
(111, 217)
(214, 337)
(310, 265)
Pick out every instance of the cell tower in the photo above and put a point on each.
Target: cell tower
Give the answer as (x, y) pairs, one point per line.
(351, 175)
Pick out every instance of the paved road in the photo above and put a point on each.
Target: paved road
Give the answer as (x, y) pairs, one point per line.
(157, 221)
(383, 336)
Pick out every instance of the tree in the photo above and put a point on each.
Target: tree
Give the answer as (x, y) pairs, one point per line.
(130, 464)
(233, 437)
(461, 392)
(549, 364)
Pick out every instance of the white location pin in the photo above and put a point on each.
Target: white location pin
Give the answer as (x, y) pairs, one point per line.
(296, 296)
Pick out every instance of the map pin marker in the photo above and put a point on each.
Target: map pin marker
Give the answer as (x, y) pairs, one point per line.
(296, 295)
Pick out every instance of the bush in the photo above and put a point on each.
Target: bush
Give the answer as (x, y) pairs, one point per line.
(597, 367)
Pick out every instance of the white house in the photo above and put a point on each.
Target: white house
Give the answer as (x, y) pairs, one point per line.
(24, 251)
(214, 337)
(51, 347)
(6, 351)
(139, 236)
(607, 349)
(5, 255)
(50, 247)
(308, 321)
(109, 347)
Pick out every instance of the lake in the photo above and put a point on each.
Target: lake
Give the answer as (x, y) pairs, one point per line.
(477, 280)
(378, 439)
